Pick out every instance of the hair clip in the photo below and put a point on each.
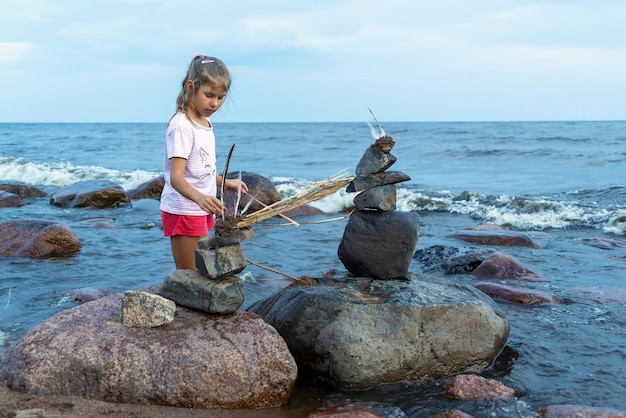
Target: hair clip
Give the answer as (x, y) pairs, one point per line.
(206, 61)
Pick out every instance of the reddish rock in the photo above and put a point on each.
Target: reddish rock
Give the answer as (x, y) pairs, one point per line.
(453, 413)
(344, 411)
(10, 200)
(494, 237)
(197, 361)
(515, 294)
(501, 266)
(469, 387)
(151, 189)
(34, 238)
(567, 411)
(487, 227)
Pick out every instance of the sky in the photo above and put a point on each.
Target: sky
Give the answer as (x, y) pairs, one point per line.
(316, 61)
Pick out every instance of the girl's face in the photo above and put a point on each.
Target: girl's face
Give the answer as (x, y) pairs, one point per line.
(207, 100)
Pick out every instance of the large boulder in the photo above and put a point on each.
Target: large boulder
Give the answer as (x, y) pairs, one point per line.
(196, 361)
(379, 244)
(35, 238)
(90, 193)
(356, 333)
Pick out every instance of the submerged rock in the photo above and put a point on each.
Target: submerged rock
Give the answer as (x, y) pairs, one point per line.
(515, 294)
(358, 333)
(495, 237)
(469, 387)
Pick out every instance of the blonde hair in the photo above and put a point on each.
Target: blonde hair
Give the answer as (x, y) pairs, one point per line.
(203, 70)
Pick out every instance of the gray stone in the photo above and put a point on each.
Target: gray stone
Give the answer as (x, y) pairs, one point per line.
(197, 361)
(355, 333)
(368, 181)
(191, 289)
(377, 198)
(379, 245)
(374, 161)
(146, 310)
(219, 262)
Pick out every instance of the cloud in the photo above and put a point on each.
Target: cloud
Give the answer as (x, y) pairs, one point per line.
(14, 51)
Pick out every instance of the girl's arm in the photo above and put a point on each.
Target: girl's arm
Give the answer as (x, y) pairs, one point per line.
(209, 204)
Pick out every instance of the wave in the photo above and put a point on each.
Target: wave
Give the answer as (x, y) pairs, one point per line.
(522, 213)
(514, 212)
(19, 170)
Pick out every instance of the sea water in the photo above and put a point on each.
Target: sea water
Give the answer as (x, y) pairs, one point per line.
(562, 183)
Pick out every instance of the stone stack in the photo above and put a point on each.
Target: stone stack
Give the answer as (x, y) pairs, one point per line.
(378, 241)
(212, 288)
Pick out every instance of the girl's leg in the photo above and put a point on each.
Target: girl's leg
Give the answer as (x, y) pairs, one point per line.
(184, 251)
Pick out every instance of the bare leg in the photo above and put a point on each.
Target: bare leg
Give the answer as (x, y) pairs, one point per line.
(184, 251)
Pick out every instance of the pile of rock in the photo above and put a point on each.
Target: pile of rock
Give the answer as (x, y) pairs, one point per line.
(378, 241)
(214, 287)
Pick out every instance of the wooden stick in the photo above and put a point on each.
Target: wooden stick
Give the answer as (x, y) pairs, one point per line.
(274, 271)
(230, 153)
(288, 219)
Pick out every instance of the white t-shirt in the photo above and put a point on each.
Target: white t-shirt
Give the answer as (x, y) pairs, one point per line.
(196, 144)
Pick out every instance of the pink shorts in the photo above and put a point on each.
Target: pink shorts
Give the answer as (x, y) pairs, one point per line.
(192, 226)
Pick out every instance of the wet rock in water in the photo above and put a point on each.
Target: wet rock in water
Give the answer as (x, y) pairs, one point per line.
(377, 198)
(259, 187)
(465, 263)
(146, 310)
(35, 238)
(495, 237)
(374, 161)
(217, 261)
(487, 227)
(10, 200)
(338, 330)
(504, 266)
(453, 413)
(191, 289)
(23, 190)
(379, 244)
(567, 411)
(469, 387)
(519, 295)
(197, 361)
(151, 189)
(344, 411)
(90, 193)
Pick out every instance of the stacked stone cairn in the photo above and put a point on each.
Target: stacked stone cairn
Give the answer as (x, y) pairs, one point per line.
(378, 241)
(214, 287)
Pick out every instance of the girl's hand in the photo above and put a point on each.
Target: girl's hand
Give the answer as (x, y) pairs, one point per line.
(233, 184)
(212, 205)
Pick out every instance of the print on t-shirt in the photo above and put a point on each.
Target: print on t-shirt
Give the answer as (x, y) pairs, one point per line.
(204, 156)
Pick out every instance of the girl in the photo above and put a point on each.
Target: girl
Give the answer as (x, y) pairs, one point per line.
(188, 200)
